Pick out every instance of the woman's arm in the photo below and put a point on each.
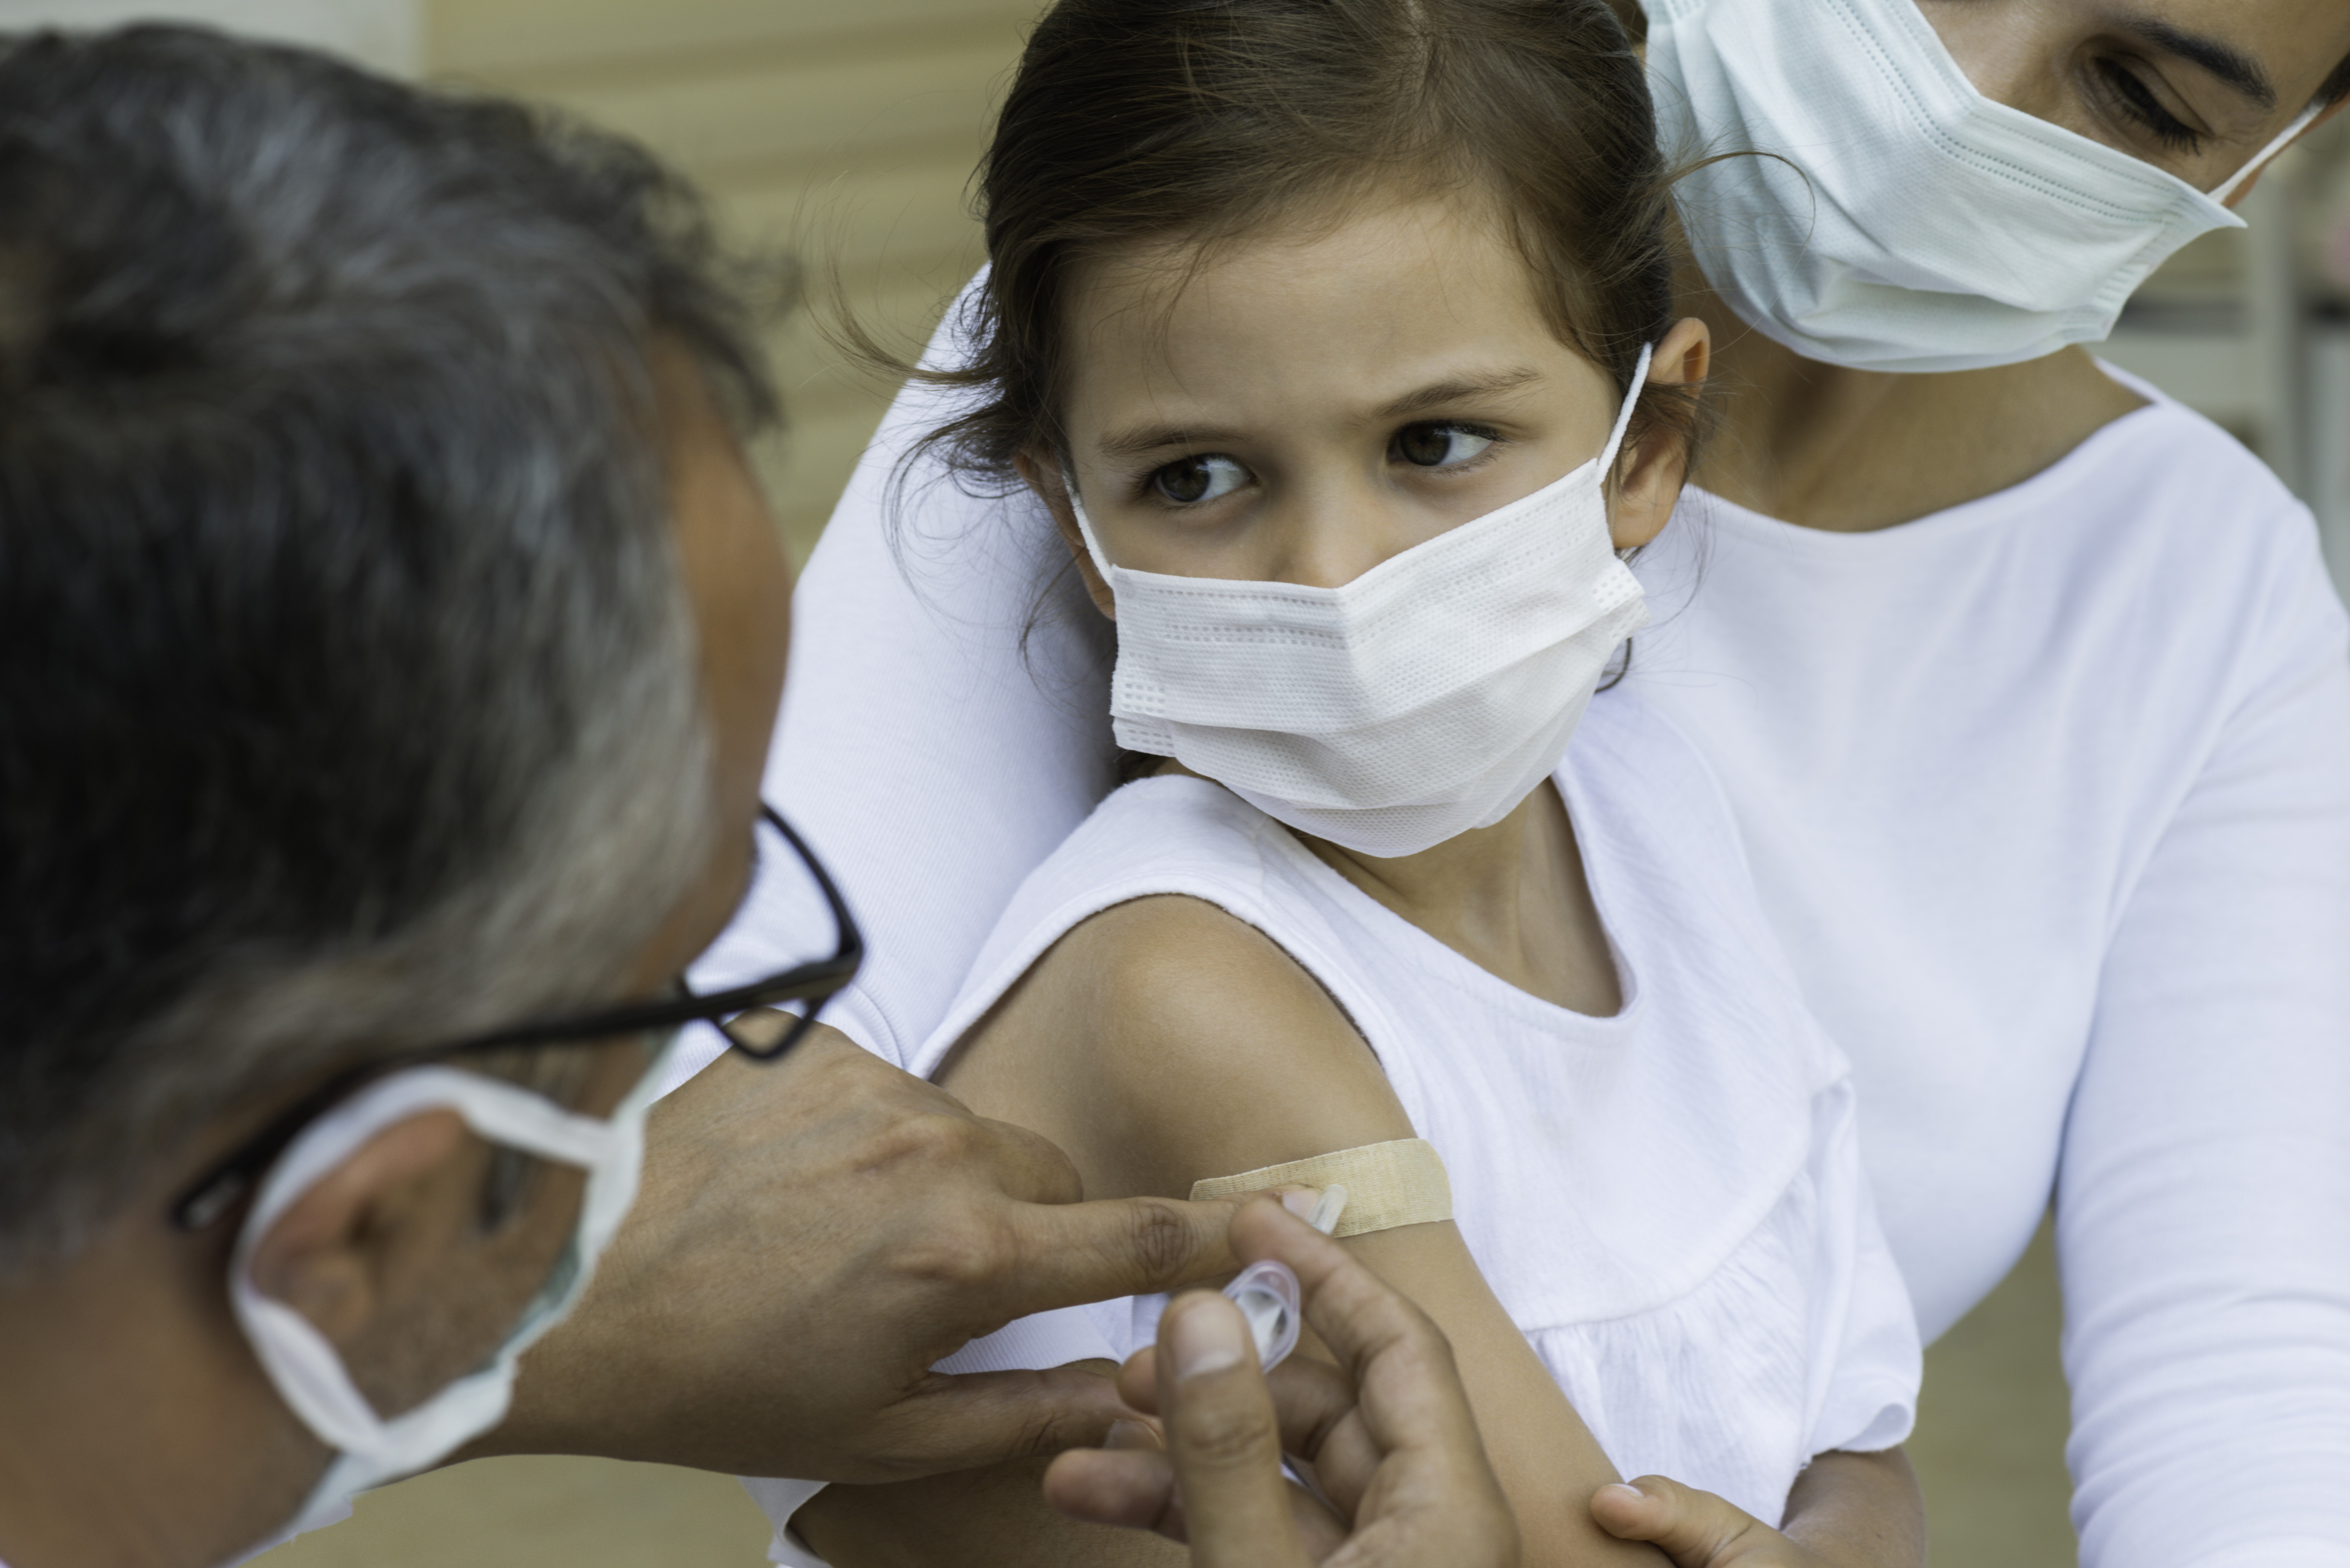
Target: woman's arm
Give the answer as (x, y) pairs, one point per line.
(1164, 1041)
(2203, 1200)
(917, 637)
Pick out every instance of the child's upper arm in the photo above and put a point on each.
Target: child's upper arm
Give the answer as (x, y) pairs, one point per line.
(1165, 1041)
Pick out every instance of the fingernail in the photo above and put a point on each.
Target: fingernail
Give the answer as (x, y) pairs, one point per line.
(1325, 1217)
(1628, 1488)
(1302, 1202)
(1209, 1337)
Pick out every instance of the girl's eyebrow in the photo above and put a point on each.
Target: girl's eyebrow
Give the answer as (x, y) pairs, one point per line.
(1140, 440)
(1437, 394)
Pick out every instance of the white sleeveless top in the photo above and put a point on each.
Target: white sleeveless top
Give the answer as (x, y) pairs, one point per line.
(1669, 1202)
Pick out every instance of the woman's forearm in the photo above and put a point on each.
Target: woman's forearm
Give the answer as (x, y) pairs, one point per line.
(1859, 1511)
(2204, 1194)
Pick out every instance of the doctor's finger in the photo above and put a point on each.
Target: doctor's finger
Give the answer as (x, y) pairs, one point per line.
(1223, 1438)
(1411, 1421)
(966, 1420)
(1136, 1488)
(1316, 1409)
(1310, 1397)
(1070, 1253)
(1028, 1167)
(1390, 1348)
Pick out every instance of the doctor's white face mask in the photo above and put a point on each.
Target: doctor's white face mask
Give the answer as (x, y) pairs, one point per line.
(1897, 218)
(303, 1365)
(1425, 697)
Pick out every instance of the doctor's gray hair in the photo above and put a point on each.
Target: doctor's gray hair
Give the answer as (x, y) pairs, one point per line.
(348, 675)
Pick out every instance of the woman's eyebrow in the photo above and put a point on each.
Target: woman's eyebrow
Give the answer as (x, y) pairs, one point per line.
(1437, 394)
(2225, 61)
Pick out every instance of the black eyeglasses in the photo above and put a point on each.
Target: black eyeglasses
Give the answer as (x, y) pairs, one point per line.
(746, 1014)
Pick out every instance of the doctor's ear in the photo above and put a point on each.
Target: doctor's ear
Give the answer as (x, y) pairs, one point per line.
(1655, 462)
(1045, 476)
(330, 1254)
(395, 1256)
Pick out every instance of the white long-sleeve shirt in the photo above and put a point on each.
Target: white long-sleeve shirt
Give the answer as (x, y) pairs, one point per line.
(2049, 799)
(2049, 795)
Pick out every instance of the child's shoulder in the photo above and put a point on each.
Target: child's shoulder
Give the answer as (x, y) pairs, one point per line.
(1180, 836)
(1130, 1009)
(1163, 1040)
(1168, 820)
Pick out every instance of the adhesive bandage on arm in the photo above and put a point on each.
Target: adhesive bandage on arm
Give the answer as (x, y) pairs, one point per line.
(1388, 1184)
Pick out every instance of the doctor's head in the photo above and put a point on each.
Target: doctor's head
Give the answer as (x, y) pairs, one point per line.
(389, 632)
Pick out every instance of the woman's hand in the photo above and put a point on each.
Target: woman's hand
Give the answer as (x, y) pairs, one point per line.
(1695, 1528)
(1390, 1440)
(1845, 1510)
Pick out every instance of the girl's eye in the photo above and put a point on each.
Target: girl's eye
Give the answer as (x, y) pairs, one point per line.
(1189, 480)
(1441, 446)
(2136, 101)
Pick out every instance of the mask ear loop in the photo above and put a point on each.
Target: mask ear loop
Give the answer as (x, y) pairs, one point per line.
(1606, 459)
(2235, 183)
(1086, 529)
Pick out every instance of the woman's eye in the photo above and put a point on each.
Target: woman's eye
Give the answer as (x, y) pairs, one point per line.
(1189, 480)
(2136, 101)
(1441, 446)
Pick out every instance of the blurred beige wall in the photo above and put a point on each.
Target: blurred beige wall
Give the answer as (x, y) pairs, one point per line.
(846, 132)
(384, 34)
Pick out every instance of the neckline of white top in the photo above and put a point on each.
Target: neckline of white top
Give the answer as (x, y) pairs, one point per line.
(2028, 496)
(1457, 969)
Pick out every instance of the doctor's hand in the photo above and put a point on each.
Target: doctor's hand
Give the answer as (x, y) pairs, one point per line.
(811, 1236)
(1389, 1440)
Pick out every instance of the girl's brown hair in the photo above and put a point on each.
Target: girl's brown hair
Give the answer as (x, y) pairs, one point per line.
(1141, 121)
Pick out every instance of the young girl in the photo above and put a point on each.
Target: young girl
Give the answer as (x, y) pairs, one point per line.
(1336, 336)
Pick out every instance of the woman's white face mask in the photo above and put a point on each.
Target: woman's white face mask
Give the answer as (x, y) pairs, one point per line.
(1900, 220)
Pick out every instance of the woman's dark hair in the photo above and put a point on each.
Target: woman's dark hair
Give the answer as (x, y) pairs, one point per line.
(1136, 121)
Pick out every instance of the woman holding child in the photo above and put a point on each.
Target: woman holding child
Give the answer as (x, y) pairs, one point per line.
(1974, 814)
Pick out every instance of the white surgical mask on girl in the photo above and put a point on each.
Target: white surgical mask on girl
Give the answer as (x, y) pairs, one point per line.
(303, 1365)
(1428, 697)
(1890, 217)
